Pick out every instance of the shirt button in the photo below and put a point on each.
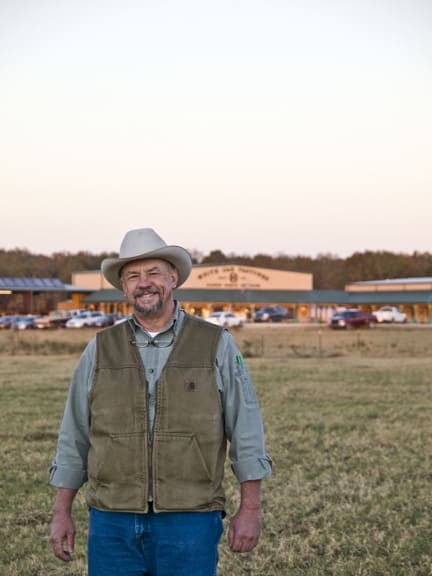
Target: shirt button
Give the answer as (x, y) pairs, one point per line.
(151, 370)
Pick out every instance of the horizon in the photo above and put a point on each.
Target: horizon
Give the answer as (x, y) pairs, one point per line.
(200, 254)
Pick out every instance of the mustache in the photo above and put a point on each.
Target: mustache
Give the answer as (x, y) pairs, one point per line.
(144, 291)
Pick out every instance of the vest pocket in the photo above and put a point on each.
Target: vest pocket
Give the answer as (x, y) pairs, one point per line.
(181, 478)
(118, 478)
(121, 455)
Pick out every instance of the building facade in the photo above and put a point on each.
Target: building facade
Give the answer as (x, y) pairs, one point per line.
(242, 289)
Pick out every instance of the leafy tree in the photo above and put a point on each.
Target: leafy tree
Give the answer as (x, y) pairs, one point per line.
(215, 257)
(329, 271)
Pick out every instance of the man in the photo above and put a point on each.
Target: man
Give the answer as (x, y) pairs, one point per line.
(152, 404)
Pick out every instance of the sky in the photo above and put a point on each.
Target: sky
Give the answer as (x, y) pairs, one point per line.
(298, 127)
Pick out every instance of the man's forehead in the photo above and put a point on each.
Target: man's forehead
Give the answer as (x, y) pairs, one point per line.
(144, 264)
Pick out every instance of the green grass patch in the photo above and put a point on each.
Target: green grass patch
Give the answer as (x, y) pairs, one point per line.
(347, 419)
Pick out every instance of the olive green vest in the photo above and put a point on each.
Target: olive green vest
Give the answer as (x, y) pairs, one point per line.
(180, 465)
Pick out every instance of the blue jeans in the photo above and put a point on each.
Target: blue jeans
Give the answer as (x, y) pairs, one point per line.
(164, 544)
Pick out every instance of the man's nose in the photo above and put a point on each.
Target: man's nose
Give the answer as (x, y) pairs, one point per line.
(144, 279)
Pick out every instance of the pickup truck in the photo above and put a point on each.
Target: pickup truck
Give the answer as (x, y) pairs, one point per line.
(390, 314)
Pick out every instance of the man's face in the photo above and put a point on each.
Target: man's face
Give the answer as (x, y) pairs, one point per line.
(148, 286)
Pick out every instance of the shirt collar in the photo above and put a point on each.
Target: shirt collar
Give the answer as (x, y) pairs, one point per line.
(174, 325)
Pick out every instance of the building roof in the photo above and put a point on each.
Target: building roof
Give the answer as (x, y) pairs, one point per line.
(106, 295)
(78, 289)
(261, 297)
(392, 281)
(393, 297)
(32, 284)
(235, 296)
(38, 285)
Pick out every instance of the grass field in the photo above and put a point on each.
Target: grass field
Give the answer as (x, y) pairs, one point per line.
(348, 418)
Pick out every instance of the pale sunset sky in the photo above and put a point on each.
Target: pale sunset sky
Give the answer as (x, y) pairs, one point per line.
(272, 126)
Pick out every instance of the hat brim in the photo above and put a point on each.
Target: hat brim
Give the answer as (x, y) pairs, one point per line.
(176, 255)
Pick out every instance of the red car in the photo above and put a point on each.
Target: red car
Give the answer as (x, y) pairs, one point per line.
(352, 318)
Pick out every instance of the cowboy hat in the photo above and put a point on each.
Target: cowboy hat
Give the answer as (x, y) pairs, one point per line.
(145, 243)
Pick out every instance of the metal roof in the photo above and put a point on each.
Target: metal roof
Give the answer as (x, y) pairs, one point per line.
(78, 289)
(391, 281)
(236, 296)
(394, 297)
(106, 295)
(40, 285)
(32, 284)
(318, 297)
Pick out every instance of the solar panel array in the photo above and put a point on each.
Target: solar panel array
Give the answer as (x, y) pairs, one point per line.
(32, 284)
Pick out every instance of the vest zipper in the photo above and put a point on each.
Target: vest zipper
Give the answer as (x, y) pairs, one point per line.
(151, 437)
(150, 468)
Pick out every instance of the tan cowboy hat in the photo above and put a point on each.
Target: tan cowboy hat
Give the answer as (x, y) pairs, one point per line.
(145, 243)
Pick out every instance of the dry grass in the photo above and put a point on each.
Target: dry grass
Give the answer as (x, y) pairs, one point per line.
(348, 420)
(43, 342)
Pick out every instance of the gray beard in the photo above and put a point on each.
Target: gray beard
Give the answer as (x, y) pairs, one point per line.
(148, 310)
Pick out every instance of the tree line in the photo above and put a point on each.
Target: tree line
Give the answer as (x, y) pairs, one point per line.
(329, 272)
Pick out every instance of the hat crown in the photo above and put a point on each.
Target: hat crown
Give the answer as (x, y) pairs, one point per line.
(138, 241)
(141, 244)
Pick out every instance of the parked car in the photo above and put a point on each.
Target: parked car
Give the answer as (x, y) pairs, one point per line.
(99, 320)
(78, 321)
(55, 319)
(270, 314)
(352, 318)
(24, 322)
(390, 314)
(227, 319)
(6, 322)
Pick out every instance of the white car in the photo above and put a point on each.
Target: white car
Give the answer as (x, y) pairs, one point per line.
(98, 319)
(390, 314)
(84, 319)
(226, 319)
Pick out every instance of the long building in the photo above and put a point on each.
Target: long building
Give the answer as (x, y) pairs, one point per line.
(242, 289)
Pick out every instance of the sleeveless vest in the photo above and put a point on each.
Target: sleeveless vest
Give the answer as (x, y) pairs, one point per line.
(180, 464)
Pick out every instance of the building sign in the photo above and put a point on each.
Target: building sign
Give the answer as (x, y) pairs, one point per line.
(236, 277)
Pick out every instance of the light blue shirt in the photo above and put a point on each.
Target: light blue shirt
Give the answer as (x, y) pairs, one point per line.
(243, 423)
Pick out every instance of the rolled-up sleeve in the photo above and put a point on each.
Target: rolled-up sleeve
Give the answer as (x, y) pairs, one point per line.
(243, 423)
(69, 468)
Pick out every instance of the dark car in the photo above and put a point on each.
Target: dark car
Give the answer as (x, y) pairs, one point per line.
(270, 314)
(352, 319)
(104, 320)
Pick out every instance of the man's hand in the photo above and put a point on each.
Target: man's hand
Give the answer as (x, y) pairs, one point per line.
(245, 526)
(244, 530)
(62, 537)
